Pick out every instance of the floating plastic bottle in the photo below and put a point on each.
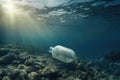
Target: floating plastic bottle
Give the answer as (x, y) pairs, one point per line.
(63, 54)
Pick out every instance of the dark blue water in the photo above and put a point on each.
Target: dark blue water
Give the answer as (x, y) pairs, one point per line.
(90, 37)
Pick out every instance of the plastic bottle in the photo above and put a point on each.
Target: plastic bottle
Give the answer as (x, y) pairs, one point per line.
(63, 54)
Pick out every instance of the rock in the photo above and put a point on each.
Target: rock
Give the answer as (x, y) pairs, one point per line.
(38, 66)
(30, 61)
(6, 78)
(43, 78)
(33, 76)
(3, 52)
(23, 75)
(42, 59)
(7, 59)
(12, 72)
(23, 56)
(16, 74)
(113, 56)
(34, 63)
(16, 62)
(2, 73)
(50, 72)
(24, 67)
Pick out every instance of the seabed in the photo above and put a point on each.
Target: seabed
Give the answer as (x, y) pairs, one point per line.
(20, 62)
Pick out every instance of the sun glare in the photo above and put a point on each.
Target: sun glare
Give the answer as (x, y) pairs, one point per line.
(9, 7)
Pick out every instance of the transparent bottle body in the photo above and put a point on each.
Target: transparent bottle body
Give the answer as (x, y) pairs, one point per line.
(63, 54)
